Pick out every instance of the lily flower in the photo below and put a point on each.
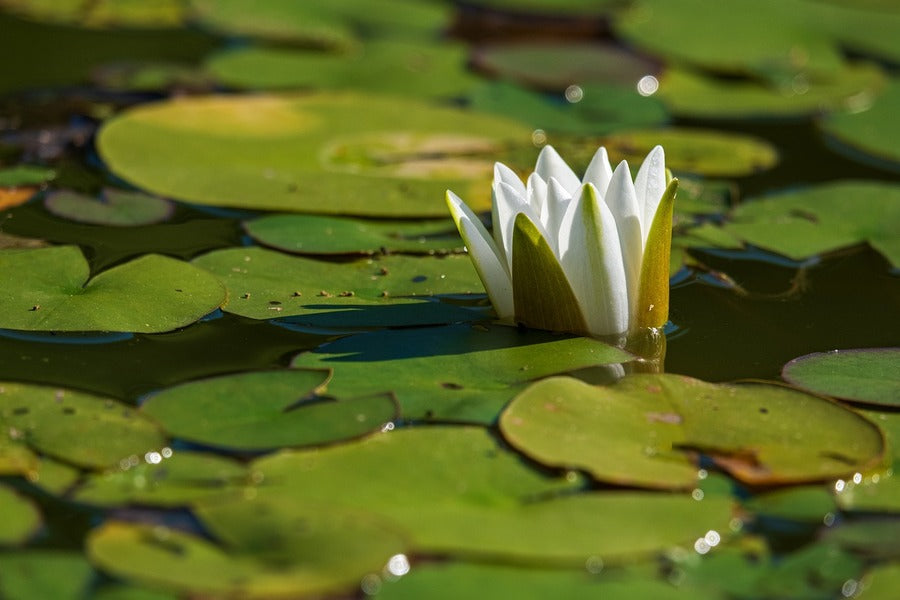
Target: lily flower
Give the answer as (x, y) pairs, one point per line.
(588, 256)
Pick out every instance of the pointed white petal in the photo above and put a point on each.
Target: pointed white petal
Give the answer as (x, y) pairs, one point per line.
(550, 164)
(650, 184)
(508, 176)
(599, 172)
(592, 261)
(558, 200)
(536, 192)
(486, 256)
(507, 204)
(622, 202)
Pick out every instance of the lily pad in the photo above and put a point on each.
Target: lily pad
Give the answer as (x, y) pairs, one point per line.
(411, 69)
(150, 294)
(101, 13)
(456, 491)
(555, 65)
(872, 538)
(698, 151)
(264, 284)
(870, 376)
(637, 431)
(20, 518)
(882, 582)
(314, 234)
(25, 175)
(868, 135)
(822, 218)
(74, 427)
(878, 490)
(459, 373)
(168, 478)
(808, 504)
(324, 551)
(113, 207)
(265, 409)
(687, 93)
(35, 574)
(310, 153)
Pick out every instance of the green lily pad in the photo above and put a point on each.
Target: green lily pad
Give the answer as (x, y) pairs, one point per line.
(314, 234)
(150, 294)
(882, 582)
(555, 65)
(411, 69)
(119, 591)
(871, 375)
(25, 175)
(259, 410)
(459, 373)
(168, 478)
(77, 428)
(691, 94)
(804, 504)
(52, 476)
(101, 13)
(822, 218)
(636, 432)
(681, 32)
(113, 207)
(264, 284)
(872, 538)
(310, 154)
(456, 491)
(698, 151)
(877, 491)
(36, 574)
(264, 555)
(450, 581)
(20, 518)
(868, 135)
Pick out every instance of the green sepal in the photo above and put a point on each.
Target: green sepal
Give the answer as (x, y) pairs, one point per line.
(653, 297)
(542, 294)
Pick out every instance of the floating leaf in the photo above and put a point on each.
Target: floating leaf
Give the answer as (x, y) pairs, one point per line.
(810, 504)
(265, 409)
(314, 234)
(20, 519)
(329, 552)
(167, 479)
(150, 294)
(308, 153)
(868, 135)
(114, 207)
(877, 491)
(263, 284)
(871, 376)
(456, 491)
(872, 538)
(411, 69)
(101, 13)
(25, 175)
(75, 427)
(36, 574)
(636, 432)
(460, 372)
(882, 582)
(822, 218)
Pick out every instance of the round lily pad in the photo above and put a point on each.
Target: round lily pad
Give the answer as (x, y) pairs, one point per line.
(310, 153)
(411, 69)
(74, 427)
(555, 65)
(871, 376)
(264, 284)
(266, 555)
(809, 504)
(458, 373)
(315, 234)
(877, 491)
(265, 409)
(456, 491)
(20, 518)
(113, 207)
(636, 432)
(34, 574)
(699, 151)
(168, 478)
(868, 135)
(25, 175)
(691, 94)
(101, 13)
(822, 218)
(53, 292)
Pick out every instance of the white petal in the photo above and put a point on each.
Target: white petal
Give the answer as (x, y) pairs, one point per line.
(558, 200)
(508, 176)
(536, 192)
(487, 258)
(622, 201)
(599, 172)
(550, 164)
(592, 261)
(650, 184)
(507, 204)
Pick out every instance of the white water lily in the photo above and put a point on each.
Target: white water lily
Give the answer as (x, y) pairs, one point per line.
(587, 255)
